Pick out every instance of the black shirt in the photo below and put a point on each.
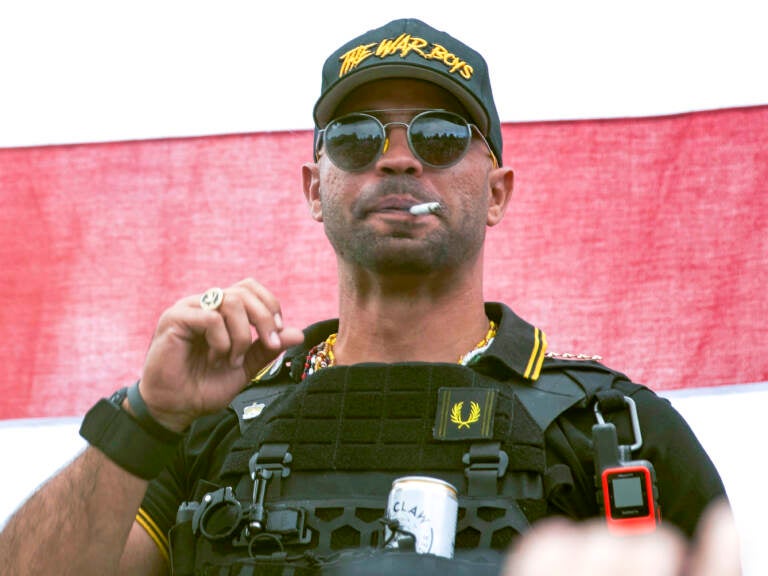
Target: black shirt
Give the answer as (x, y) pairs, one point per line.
(686, 477)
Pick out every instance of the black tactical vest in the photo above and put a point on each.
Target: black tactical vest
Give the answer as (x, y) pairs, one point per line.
(305, 487)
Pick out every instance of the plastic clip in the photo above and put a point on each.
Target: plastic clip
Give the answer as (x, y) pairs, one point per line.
(264, 465)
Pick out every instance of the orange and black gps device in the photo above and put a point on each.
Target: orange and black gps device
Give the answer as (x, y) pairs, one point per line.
(627, 492)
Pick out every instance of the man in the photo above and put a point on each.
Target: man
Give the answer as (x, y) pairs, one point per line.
(418, 376)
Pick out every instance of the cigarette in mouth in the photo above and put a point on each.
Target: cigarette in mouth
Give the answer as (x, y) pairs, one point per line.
(426, 208)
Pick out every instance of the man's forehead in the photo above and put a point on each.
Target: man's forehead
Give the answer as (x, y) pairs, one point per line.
(398, 93)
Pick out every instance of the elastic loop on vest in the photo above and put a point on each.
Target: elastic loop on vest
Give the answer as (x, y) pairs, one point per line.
(557, 478)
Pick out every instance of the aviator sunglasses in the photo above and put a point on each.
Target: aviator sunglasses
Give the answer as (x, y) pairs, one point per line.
(437, 138)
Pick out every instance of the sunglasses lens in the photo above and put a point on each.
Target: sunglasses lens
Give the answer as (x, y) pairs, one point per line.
(440, 139)
(353, 142)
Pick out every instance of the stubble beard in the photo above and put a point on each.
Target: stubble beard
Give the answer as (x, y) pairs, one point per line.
(398, 252)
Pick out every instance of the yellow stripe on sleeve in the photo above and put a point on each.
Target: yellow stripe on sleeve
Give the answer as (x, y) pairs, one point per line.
(146, 522)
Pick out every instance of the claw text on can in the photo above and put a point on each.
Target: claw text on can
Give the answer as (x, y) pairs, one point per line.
(425, 510)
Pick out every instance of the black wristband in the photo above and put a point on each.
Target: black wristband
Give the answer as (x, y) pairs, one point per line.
(123, 440)
(145, 419)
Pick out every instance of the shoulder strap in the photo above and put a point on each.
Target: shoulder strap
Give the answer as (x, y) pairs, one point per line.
(579, 383)
(562, 385)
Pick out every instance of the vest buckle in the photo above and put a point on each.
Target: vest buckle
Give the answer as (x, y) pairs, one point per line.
(271, 461)
(485, 463)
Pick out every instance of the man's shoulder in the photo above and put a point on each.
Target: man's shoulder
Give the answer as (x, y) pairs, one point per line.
(520, 341)
(581, 366)
(583, 374)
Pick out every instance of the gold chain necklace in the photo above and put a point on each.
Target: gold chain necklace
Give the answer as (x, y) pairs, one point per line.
(322, 356)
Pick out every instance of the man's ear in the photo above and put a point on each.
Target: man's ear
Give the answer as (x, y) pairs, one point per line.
(310, 176)
(501, 181)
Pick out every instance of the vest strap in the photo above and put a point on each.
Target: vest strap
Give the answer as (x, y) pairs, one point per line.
(271, 462)
(485, 463)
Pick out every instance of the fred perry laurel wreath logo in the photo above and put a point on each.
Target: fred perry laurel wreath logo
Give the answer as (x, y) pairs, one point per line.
(474, 414)
(464, 413)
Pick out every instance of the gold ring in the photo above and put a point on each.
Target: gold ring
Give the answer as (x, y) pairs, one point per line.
(212, 299)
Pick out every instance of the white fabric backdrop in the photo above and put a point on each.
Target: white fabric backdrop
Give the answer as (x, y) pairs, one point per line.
(88, 70)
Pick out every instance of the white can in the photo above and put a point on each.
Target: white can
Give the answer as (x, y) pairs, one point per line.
(426, 508)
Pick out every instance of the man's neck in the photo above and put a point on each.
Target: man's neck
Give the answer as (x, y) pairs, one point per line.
(430, 322)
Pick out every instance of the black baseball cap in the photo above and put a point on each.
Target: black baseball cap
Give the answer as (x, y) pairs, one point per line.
(409, 48)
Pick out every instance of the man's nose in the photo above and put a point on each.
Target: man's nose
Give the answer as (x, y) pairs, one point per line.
(397, 156)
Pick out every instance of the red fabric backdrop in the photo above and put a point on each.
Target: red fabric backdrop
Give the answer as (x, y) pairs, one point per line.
(642, 240)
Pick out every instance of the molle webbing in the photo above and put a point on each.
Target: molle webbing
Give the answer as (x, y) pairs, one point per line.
(381, 417)
(351, 429)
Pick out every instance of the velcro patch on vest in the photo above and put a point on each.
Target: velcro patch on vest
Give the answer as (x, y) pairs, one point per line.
(464, 413)
(382, 417)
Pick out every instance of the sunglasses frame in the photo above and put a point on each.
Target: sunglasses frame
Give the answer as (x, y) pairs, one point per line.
(369, 114)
